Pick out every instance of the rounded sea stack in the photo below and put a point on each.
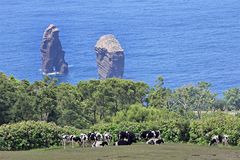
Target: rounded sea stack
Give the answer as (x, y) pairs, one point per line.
(110, 57)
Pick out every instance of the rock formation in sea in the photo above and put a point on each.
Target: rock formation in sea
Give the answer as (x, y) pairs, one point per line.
(52, 52)
(110, 57)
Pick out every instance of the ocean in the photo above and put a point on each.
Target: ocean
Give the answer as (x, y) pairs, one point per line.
(185, 41)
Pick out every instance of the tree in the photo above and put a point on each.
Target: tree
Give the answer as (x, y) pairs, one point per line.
(232, 98)
(8, 89)
(219, 104)
(44, 94)
(70, 108)
(22, 109)
(193, 98)
(159, 95)
(204, 99)
(87, 89)
(104, 98)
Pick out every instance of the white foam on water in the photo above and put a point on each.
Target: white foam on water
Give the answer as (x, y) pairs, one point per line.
(51, 74)
(70, 66)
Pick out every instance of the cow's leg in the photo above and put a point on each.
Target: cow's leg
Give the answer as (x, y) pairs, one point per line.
(64, 144)
(93, 145)
(225, 142)
(72, 144)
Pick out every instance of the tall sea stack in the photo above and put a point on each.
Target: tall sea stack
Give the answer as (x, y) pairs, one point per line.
(110, 57)
(52, 53)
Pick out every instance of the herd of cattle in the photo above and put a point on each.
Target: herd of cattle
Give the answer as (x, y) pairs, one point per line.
(151, 137)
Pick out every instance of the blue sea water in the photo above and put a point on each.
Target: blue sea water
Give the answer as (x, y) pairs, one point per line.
(185, 41)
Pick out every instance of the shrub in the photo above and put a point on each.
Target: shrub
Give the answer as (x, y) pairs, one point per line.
(213, 124)
(172, 130)
(173, 127)
(30, 134)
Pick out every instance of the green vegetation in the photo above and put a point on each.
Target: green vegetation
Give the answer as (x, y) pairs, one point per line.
(133, 152)
(31, 134)
(191, 113)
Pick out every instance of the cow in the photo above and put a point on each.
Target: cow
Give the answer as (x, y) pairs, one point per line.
(146, 135)
(99, 144)
(122, 142)
(70, 138)
(92, 136)
(84, 139)
(95, 136)
(123, 135)
(157, 134)
(107, 137)
(66, 139)
(99, 136)
(126, 136)
(154, 141)
(216, 139)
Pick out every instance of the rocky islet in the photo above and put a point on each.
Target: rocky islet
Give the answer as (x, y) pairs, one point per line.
(52, 52)
(110, 57)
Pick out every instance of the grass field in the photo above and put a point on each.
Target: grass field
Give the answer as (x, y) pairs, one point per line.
(133, 152)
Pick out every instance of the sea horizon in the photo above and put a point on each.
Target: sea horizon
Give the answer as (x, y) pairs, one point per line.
(185, 41)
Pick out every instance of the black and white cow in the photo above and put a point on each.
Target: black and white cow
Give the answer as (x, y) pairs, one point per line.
(122, 142)
(126, 138)
(154, 141)
(70, 139)
(146, 135)
(84, 140)
(99, 136)
(99, 144)
(123, 135)
(95, 136)
(92, 136)
(157, 134)
(107, 137)
(65, 140)
(219, 139)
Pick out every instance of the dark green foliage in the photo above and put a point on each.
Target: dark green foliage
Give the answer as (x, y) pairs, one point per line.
(192, 98)
(114, 105)
(30, 134)
(81, 106)
(232, 98)
(137, 118)
(159, 96)
(104, 98)
(215, 124)
(8, 88)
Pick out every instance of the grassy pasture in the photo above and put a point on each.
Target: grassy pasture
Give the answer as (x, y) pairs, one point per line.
(133, 152)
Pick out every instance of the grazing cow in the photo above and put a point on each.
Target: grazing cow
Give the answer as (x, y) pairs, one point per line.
(146, 135)
(122, 142)
(99, 144)
(92, 136)
(66, 139)
(84, 139)
(216, 139)
(70, 138)
(99, 136)
(154, 141)
(95, 136)
(107, 137)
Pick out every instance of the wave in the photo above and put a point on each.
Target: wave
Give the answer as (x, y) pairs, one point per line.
(51, 74)
(70, 66)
